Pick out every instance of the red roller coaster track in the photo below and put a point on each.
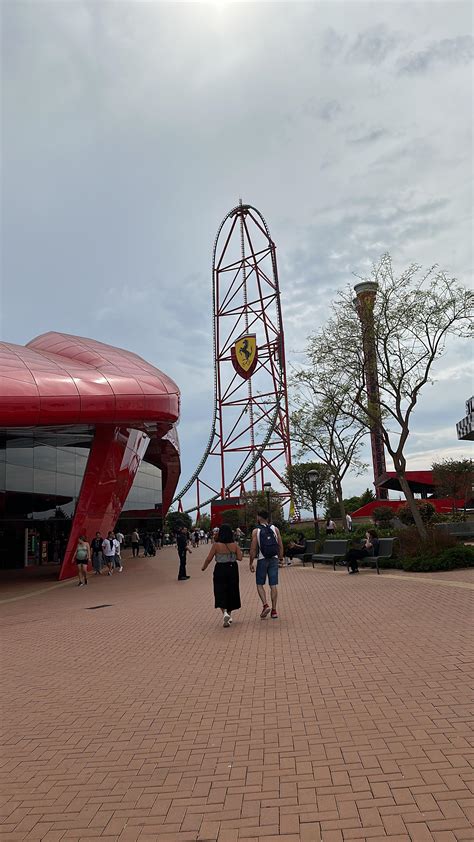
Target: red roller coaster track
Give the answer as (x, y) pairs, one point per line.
(249, 443)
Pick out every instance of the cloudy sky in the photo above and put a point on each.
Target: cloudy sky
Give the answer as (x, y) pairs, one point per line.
(129, 129)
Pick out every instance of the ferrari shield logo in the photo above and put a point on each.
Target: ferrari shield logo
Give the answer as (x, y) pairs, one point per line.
(244, 355)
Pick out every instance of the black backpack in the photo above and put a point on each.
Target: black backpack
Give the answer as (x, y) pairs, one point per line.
(267, 539)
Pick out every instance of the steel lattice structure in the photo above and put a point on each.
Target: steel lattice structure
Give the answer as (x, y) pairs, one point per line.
(249, 442)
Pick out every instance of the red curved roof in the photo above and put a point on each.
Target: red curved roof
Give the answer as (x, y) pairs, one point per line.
(62, 379)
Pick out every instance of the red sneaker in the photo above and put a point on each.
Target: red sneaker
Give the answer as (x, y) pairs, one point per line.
(265, 611)
(274, 614)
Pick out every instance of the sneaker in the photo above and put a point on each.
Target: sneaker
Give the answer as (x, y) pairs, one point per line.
(120, 569)
(227, 619)
(265, 611)
(274, 614)
(81, 584)
(109, 573)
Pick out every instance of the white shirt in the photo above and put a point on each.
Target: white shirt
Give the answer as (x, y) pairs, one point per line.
(119, 537)
(108, 550)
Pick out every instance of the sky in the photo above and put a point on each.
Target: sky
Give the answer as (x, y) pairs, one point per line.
(130, 129)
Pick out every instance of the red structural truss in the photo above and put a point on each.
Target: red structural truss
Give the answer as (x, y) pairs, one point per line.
(129, 406)
(249, 443)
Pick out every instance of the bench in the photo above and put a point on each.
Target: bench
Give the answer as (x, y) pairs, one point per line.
(308, 553)
(458, 529)
(385, 551)
(332, 551)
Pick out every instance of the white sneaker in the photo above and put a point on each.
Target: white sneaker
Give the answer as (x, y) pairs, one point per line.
(120, 569)
(227, 619)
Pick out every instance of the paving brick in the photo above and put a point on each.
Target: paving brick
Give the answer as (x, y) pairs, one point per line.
(261, 731)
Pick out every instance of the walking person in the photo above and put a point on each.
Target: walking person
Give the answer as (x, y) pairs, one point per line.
(83, 557)
(118, 557)
(97, 557)
(226, 573)
(369, 548)
(267, 548)
(110, 548)
(135, 544)
(349, 522)
(183, 549)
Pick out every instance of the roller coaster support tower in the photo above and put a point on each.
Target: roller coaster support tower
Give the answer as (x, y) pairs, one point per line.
(249, 442)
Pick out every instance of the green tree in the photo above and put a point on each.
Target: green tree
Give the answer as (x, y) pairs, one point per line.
(308, 495)
(367, 497)
(454, 478)
(409, 321)
(426, 512)
(232, 517)
(256, 501)
(204, 523)
(383, 515)
(175, 520)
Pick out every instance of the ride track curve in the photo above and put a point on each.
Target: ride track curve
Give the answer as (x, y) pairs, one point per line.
(250, 426)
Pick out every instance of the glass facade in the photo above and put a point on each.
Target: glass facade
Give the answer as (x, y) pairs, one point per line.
(41, 472)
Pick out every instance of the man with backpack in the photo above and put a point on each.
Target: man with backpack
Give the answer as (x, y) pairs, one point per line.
(267, 548)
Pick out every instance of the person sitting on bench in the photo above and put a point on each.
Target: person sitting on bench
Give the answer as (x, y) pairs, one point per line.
(296, 548)
(369, 548)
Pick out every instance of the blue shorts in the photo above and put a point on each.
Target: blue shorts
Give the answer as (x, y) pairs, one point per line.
(267, 567)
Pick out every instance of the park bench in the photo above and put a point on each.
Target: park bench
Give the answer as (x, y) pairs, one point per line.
(458, 529)
(333, 549)
(385, 551)
(307, 555)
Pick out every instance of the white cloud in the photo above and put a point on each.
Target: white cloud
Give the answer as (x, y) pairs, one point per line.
(130, 129)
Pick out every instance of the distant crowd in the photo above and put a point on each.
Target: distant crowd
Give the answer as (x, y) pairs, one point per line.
(266, 555)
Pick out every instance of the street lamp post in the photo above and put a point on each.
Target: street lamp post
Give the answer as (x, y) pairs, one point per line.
(313, 480)
(267, 487)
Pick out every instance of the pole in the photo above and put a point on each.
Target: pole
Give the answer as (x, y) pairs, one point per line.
(366, 293)
(316, 524)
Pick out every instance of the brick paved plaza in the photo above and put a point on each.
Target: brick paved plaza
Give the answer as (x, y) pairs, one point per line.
(347, 718)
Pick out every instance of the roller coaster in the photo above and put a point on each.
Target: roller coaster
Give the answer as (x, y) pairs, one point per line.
(249, 441)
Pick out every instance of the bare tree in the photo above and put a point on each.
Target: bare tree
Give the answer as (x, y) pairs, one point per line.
(413, 316)
(321, 426)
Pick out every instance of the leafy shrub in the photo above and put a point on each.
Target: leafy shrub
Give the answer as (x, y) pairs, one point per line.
(383, 515)
(411, 545)
(427, 512)
(450, 559)
(461, 555)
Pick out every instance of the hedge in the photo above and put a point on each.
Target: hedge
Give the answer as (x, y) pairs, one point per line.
(450, 559)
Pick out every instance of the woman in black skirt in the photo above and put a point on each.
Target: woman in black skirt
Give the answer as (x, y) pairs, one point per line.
(226, 572)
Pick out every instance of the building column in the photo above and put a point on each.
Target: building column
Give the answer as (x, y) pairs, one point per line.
(114, 459)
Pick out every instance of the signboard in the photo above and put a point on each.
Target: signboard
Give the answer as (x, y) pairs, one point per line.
(244, 355)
